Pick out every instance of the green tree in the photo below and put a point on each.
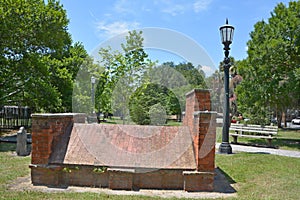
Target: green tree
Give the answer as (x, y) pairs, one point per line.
(165, 89)
(215, 83)
(194, 76)
(270, 73)
(36, 55)
(82, 96)
(123, 74)
(191, 78)
(150, 103)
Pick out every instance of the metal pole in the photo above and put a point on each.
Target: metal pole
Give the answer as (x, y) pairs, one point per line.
(93, 97)
(225, 146)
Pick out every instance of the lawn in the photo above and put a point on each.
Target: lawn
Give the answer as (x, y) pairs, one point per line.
(262, 176)
(117, 120)
(285, 139)
(254, 176)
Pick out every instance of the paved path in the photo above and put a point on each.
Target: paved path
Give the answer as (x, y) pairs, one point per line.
(243, 148)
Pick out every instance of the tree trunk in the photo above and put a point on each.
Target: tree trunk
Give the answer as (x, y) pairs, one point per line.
(279, 119)
(284, 118)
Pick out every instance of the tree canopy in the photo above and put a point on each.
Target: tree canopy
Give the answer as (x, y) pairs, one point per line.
(271, 81)
(132, 87)
(123, 73)
(37, 58)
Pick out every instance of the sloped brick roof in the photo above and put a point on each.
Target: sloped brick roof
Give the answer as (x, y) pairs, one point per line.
(129, 146)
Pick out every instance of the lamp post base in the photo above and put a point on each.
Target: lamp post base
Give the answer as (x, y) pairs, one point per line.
(225, 148)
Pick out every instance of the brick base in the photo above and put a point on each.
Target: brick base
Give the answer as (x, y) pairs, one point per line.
(198, 181)
(56, 176)
(120, 179)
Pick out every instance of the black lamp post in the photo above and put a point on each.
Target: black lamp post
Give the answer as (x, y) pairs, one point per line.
(226, 36)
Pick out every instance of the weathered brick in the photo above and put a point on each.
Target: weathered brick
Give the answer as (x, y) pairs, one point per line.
(47, 131)
(198, 181)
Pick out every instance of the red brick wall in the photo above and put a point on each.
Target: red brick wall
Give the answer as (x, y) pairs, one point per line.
(198, 181)
(206, 141)
(161, 179)
(202, 123)
(64, 176)
(45, 130)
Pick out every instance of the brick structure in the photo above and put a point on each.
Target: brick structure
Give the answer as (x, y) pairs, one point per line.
(66, 151)
(202, 124)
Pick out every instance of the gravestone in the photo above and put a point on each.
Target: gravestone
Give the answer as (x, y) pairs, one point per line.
(22, 142)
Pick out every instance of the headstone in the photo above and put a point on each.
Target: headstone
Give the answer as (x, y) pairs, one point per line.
(22, 142)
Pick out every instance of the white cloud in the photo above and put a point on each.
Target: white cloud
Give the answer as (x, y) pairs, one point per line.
(175, 9)
(124, 7)
(201, 5)
(208, 70)
(115, 28)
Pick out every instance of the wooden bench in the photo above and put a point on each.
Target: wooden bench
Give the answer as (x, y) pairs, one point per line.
(253, 131)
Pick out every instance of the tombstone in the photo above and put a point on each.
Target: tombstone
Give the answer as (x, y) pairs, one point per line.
(22, 142)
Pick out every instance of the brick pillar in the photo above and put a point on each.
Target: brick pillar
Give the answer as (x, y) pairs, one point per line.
(202, 123)
(45, 130)
(196, 100)
(206, 140)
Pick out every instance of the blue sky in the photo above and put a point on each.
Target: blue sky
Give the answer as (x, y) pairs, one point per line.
(95, 22)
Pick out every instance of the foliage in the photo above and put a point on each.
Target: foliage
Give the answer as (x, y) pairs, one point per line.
(123, 73)
(82, 102)
(216, 83)
(70, 169)
(194, 76)
(179, 79)
(150, 104)
(271, 71)
(101, 169)
(166, 88)
(38, 61)
(157, 115)
(130, 73)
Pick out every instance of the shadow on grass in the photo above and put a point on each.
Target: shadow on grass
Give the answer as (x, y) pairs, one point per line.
(9, 143)
(229, 179)
(7, 146)
(10, 146)
(291, 128)
(277, 143)
(292, 143)
(223, 181)
(255, 143)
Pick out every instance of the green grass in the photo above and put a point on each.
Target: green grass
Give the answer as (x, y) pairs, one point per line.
(262, 176)
(285, 139)
(254, 176)
(117, 120)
